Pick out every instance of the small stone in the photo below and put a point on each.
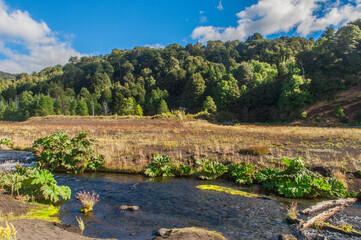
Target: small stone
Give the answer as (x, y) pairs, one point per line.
(133, 208)
(161, 232)
(123, 207)
(287, 237)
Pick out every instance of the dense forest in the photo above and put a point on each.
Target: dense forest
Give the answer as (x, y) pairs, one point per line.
(255, 80)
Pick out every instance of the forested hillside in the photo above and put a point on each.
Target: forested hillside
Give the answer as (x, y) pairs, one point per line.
(255, 80)
(5, 76)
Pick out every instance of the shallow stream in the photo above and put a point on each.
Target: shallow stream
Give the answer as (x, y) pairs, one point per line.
(170, 203)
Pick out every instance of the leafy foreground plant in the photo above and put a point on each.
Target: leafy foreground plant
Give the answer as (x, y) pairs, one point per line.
(161, 165)
(242, 173)
(297, 181)
(8, 233)
(88, 200)
(210, 170)
(37, 184)
(75, 154)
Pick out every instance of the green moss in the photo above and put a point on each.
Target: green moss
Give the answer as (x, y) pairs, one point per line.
(40, 212)
(227, 190)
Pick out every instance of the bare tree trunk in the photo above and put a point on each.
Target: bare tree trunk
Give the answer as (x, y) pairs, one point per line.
(328, 204)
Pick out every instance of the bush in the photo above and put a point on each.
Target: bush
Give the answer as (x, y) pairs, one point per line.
(161, 165)
(297, 181)
(255, 150)
(242, 173)
(37, 184)
(58, 151)
(209, 170)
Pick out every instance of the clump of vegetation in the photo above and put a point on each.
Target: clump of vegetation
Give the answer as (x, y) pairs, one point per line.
(292, 211)
(182, 170)
(80, 224)
(58, 151)
(6, 142)
(338, 111)
(297, 181)
(88, 200)
(161, 165)
(38, 184)
(242, 173)
(8, 232)
(209, 170)
(255, 150)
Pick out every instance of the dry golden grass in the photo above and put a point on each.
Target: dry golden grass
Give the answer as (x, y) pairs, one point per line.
(128, 142)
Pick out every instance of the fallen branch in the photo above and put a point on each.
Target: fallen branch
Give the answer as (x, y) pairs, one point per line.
(328, 204)
(320, 217)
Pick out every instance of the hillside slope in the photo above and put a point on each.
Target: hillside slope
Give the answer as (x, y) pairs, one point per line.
(323, 113)
(6, 76)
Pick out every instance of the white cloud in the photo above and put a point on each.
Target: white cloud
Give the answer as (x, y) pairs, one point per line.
(42, 47)
(220, 6)
(275, 16)
(155, 46)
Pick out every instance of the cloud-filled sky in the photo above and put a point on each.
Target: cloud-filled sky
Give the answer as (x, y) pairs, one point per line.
(42, 33)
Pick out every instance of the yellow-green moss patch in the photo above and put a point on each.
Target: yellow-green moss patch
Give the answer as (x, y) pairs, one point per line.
(227, 190)
(40, 212)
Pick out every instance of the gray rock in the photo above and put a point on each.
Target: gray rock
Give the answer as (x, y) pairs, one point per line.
(161, 232)
(123, 207)
(133, 208)
(287, 237)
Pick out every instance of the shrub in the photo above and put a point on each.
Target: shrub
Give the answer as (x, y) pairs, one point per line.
(59, 151)
(8, 232)
(242, 173)
(88, 200)
(161, 165)
(209, 170)
(338, 112)
(255, 150)
(37, 184)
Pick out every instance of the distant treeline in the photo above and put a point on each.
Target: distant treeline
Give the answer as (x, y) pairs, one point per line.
(255, 80)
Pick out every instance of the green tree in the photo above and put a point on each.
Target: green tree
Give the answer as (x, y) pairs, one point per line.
(209, 105)
(44, 106)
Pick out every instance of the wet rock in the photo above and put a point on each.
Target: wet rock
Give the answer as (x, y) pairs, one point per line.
(161, 232)
(133, 208)
(287, 237)
(123, 207)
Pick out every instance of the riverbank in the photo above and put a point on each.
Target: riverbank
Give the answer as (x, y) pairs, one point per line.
(33, 229)
(128, 143)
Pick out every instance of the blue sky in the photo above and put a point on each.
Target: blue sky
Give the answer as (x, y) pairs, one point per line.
(36, 34)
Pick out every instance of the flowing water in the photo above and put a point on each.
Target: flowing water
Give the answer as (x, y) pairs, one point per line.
(170, 203)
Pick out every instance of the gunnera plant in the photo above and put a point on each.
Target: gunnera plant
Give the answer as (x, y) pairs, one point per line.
(161, 165)
(59, 151)
(88, 200)
(296, 181)
(242, 173)
(210, 170)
